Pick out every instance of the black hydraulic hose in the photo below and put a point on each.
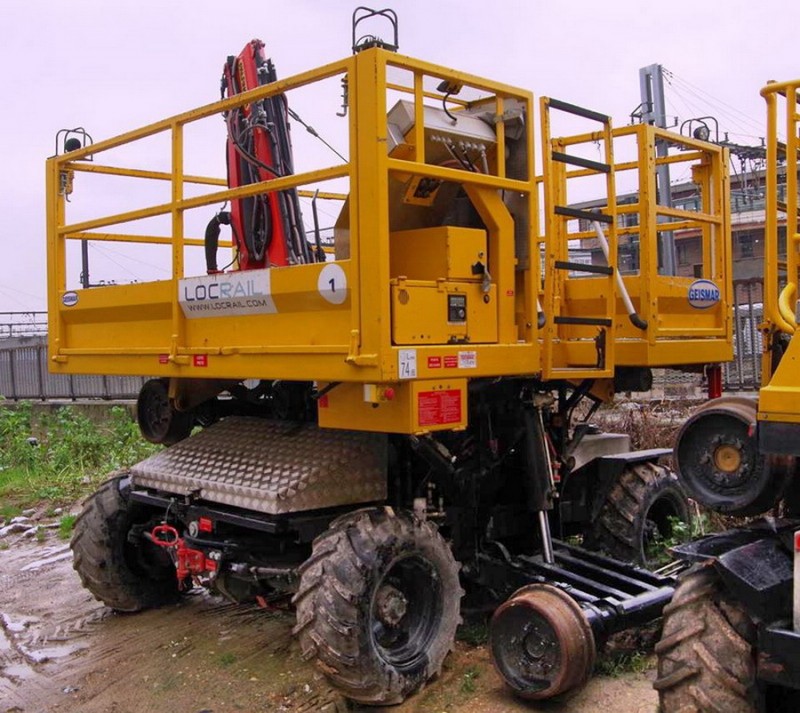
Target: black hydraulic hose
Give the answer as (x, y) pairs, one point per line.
(320, 252)
(537, 478)
(212, 239)
(637, 321)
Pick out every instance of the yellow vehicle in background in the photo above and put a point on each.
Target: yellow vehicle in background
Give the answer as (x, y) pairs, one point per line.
(731, 636)
(404, 412)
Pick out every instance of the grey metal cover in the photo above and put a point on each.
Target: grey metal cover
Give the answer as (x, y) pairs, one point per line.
(271, 466)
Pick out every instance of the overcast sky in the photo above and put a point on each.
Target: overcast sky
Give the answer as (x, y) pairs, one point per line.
(114, 65)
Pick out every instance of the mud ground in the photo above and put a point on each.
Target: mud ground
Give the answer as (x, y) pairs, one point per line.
(60, 650)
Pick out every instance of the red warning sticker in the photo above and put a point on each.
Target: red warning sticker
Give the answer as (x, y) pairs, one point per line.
(434, 362)
(437, 408)
(163, 358)
(451, 362)
(200, 360)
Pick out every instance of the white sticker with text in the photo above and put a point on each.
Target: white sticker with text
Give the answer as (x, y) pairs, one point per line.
(407, 363)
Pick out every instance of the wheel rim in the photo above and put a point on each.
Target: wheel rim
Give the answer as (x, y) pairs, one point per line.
(728, 458)
(718, 459)
(406, 611)
(541, 643)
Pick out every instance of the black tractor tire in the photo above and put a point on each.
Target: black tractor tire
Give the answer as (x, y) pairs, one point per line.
(159, 421)
(719, 462)
(378, 604)
(637, 512)
(706, 656)
(123, 575)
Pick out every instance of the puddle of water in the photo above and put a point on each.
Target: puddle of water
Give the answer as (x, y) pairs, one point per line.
(18, 671)
(48, 653)
(5, 644)
(15, 627)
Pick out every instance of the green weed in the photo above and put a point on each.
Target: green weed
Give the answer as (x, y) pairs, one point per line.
(65, 525)
(615, 666)
(470, 676)
(7, 511)
(227, 659)
(68, 460)
(680, 532)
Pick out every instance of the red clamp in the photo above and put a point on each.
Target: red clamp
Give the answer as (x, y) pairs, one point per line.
(188, 562)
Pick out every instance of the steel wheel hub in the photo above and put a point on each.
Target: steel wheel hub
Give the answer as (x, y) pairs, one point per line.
(541, 642)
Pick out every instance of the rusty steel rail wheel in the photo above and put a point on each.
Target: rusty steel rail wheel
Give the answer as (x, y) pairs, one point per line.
(378, 604)
(541, 642)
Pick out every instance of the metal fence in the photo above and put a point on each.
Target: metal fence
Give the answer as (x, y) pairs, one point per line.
(22, 324)
(744, 372)
(24, 373)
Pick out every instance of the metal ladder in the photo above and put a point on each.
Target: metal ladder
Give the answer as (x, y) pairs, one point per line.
(559, 167)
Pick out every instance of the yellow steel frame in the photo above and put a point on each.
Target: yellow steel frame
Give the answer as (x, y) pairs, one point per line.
(779, 397)
(556, 362)
(141, 329)
(676, 334)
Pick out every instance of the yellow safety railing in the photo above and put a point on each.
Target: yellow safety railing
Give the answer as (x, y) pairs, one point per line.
(782, 160)
(660, 301)
(132, 329)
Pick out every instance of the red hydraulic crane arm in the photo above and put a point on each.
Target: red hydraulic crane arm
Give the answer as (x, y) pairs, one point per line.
(268, 228)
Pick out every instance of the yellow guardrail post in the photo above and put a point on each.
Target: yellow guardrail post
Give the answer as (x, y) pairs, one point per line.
(177, 339)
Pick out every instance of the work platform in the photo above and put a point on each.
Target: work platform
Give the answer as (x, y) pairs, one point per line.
(442, 270)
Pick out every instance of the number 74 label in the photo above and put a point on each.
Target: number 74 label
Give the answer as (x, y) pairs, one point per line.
(407, 363)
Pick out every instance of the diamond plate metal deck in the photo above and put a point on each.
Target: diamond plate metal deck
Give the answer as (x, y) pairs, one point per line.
(273, 467)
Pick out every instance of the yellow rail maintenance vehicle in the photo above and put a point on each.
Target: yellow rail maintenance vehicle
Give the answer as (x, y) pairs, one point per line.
(410, 398)
(731, 638)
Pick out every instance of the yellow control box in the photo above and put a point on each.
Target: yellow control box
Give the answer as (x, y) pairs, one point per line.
(406, 407)
(444, 252)
(443, 312)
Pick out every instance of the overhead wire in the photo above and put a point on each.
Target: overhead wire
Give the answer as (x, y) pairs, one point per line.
(106, 251)
(731, 114)
(715, 100)
(10, 295)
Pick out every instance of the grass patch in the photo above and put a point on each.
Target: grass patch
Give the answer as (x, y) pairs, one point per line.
(619, 664)
(658, 549)
(65, 525)
(227, 659)
(468, 679)
(71, 456)
(7, 511)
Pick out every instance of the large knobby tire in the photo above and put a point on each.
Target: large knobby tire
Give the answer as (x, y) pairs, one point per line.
(125, 576)
(378, 604)
(706, 656)
(638, 512)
